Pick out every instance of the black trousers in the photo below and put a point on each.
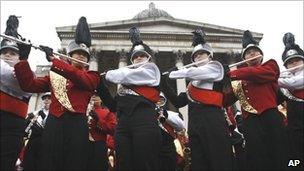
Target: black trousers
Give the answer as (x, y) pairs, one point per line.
(98, 156)
(137, 139)
(65, 142)
(239, 158)
(211, 148)
(11, 139)
(265, 137)
(168, 155)
(32, 154)
(295, 130)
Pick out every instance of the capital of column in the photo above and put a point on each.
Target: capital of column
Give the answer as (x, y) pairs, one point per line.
(62, 51)
(122, 55)
(153, 58)
(233, 56)
(179, 55)
(94, 54)
(93, 61)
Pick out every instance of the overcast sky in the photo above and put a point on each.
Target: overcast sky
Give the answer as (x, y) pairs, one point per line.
(272, 18)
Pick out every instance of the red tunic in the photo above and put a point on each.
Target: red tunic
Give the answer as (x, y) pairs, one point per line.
(13, 104)
(259, 84)
(106, 124)
(80, 85)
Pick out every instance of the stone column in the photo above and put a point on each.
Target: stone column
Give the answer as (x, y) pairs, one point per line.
(122, 60)
(93, 62)
(181, 84)
(33, 103)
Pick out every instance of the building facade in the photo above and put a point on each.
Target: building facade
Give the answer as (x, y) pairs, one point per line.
(170, 39)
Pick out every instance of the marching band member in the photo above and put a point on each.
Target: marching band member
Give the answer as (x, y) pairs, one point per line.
(102, 123)
(36, 122)
(65, 137)
(256, 87)
(14, 101)
(170, 123)
(208, 132)
(292, 87)
(137, 136)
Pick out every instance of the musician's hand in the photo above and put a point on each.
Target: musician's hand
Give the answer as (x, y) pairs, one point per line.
(286, 75)
(170, 70)
(103, 85)
(173, 69)
(163, 81)
(237, 138)
(48, 52)
(239, 119)
(14, 74)
(24, 50)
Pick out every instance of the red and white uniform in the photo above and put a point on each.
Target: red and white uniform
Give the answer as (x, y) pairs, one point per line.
(292, 87)
(141, 80)
(13, 99)
(80, 83)
(294, 83)
(136, 97)
(259, 85)
(203, 79)
(148, 74)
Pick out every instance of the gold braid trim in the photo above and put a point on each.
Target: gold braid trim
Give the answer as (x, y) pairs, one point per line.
(58, 83)
(239, 93)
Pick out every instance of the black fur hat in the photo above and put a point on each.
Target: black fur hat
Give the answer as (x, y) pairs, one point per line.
(249, 42)
(292, 50)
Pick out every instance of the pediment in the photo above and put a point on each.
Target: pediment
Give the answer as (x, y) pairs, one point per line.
(161, 25)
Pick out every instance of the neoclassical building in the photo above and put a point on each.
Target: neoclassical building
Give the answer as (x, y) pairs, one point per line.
(169, 37)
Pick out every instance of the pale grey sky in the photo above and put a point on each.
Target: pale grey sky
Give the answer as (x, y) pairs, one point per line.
(272, 18)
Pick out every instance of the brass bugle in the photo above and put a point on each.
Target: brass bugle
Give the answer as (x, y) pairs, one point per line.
(190, 65)
(293, 68)
(37, 47)
(131, 66)
(244, 61)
